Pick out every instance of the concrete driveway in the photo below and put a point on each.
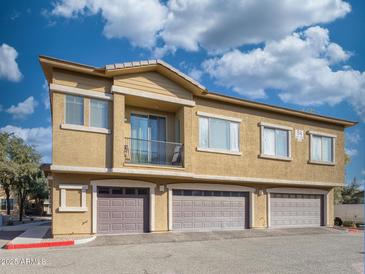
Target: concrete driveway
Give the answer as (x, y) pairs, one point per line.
(321, 251)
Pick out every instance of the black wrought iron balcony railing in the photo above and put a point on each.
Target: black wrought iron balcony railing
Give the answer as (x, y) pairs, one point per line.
(150, 152)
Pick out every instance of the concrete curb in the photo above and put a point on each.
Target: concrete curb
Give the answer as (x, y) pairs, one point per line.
(10, 245)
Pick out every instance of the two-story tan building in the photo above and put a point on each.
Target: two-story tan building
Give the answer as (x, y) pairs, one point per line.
(141, 147)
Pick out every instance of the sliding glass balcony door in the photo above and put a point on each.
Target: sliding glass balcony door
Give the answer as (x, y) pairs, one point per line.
(148, 139)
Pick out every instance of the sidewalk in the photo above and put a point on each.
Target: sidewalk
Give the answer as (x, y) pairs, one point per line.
(24, 227)
(37, 235)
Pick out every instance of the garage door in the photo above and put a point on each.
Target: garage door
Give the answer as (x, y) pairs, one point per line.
(209, 210)
(296, 210)
(122, 210)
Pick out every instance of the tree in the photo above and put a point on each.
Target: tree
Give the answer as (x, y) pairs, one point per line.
(26, 161)
(39, 190)
(348, 192)
(7, 168)
(338, 199)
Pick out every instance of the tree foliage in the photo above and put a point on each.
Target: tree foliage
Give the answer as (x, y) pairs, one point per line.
(348, 193)
(7, 168)
(19, 170)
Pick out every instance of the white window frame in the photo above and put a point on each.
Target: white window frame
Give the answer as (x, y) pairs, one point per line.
(322, 134)
(221, 117)
(264, 125)
(83, 127)
(107, 128)
(83, 109)
(64, 207)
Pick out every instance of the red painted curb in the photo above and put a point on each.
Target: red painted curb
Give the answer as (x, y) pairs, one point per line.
(39, 245)
(354, 230)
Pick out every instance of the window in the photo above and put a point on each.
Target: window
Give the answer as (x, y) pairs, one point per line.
(99, 113)
(322, 148)
(74, 110)
(275, 142)
(3, 204)
(219, 134)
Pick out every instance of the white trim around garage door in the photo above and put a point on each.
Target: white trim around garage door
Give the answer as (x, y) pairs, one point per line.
(298, 191)
(122, 183)
(215, 187)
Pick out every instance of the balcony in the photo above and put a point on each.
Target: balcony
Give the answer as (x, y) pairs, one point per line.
(151, 152)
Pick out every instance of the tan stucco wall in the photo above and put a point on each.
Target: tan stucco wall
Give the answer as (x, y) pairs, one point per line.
(86, 149)
(260, 209)
(73, 197)
(78, 80)
(77, 148)
(70, 222)
(161, 213)
(81, 222)
(249, 164)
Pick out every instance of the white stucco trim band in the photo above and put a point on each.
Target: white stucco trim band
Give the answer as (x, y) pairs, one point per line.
(215, 187)
(84, 128)
(264, 124)
(299, 191)
(151, 95)
(122, 183)
(80, 91)
(186, 175)
(218, 116)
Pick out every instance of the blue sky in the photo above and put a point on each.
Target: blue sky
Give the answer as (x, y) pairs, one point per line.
(306, 57)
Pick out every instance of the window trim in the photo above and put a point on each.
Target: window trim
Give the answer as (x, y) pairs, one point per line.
(65, 109)
(108, 114)
(63, 206)
(322, 134)
(264, 125)
(218, 116)
(84, 128)
(221, 117)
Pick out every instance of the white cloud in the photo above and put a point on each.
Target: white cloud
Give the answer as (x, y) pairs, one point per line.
(195, 73)
(139, 21)
(221, 25)
(353, 137)
(9, 69)
(351, 152)
(23, 109)
(299, 67)
(39, 137)
(215, 25)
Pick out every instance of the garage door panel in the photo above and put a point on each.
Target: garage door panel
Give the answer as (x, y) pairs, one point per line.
(295, 210)
(228, 211)
(122, 213)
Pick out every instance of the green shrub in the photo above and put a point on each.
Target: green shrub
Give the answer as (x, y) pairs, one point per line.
(349, 223)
